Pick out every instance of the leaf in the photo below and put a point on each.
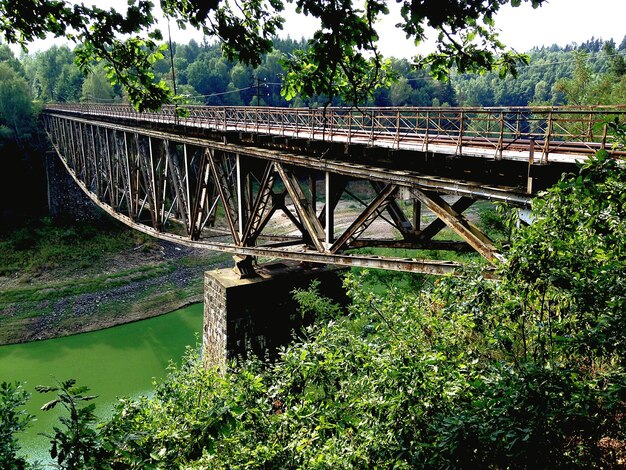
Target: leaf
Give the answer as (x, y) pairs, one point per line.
(51, 404)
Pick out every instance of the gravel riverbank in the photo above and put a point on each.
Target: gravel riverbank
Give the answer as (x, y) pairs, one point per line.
(123, 287)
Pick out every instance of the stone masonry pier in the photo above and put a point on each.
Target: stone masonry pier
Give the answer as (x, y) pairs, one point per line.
(257, 315)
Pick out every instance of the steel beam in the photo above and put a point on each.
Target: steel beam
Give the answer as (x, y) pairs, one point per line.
(463, 227)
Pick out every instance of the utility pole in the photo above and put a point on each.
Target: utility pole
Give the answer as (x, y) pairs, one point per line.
(258, 91)
(169, 34)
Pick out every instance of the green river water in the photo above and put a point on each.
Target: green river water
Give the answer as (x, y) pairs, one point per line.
(116, 362)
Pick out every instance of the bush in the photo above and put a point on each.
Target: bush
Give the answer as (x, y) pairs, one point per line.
(12, 421)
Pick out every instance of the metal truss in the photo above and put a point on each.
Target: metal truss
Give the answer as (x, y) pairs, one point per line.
(264, 201)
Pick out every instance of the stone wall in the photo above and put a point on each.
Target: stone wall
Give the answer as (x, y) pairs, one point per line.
(66, 201)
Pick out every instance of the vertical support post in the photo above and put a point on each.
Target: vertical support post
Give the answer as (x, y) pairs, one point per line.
(417, 214)
(249, 197)
(313, 190)
(94, 160)
(187, 185)
(282, 122)
(137, 176)
(165, 174)
(330, 217)
(332, 121)
(501, 139)
(349, 127)
(297, 123)
(239, 196)
(153, 187)
(397, 129)
(72, 151)
(427, 128)
(548, 136)
(83, 161)
(130, 197)
(459, 146)
(112, 179)
(94, 156)
(531, 161)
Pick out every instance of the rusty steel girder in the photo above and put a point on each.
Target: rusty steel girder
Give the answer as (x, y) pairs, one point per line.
(258, 197)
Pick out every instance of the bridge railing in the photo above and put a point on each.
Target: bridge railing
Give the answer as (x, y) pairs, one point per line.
(492, 131)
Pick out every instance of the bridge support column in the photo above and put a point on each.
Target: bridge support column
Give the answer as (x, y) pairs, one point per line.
(257, 315)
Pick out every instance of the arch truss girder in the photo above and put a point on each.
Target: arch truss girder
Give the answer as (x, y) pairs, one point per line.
(261, 203)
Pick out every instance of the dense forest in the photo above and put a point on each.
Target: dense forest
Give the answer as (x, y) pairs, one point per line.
(204, 76)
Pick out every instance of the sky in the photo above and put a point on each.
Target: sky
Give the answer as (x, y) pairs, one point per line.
(556, 22)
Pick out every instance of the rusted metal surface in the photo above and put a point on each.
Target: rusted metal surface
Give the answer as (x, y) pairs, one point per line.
(248, 180)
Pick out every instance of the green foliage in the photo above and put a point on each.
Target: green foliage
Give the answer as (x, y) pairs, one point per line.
(574, 257)
(96, 87)
(206, 76)
(499, 221)
(39, 245)
(311, 302)
(618, 131)
(12, 421)
(587, 73)
(193, 412)
(16, 108)
(76, 444)
(578, 90)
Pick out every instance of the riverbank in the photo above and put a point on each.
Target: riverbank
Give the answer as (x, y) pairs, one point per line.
(126, 282)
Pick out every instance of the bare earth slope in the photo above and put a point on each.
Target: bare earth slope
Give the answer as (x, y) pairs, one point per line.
(137, 283)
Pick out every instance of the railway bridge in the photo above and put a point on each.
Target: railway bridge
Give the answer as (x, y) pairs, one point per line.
(320, 185)
(349, 187)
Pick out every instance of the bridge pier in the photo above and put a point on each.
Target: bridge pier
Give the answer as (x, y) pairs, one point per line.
(256, 315)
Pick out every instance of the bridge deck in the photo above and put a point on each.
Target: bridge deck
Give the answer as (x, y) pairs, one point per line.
(558, 134)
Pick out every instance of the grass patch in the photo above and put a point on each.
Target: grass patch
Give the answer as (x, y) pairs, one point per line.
(54, 291)
(45, 245)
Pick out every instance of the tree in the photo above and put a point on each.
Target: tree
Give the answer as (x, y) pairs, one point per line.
(617, 64)
(16, 108)
(401, 92)
(209, 76)
(96, 88)
(47, 68)
(579, 88)
(70, 84)
(342, 58)
(6, 55)
(76, 445)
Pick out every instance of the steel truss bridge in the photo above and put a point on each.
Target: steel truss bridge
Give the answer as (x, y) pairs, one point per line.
(320, 186)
